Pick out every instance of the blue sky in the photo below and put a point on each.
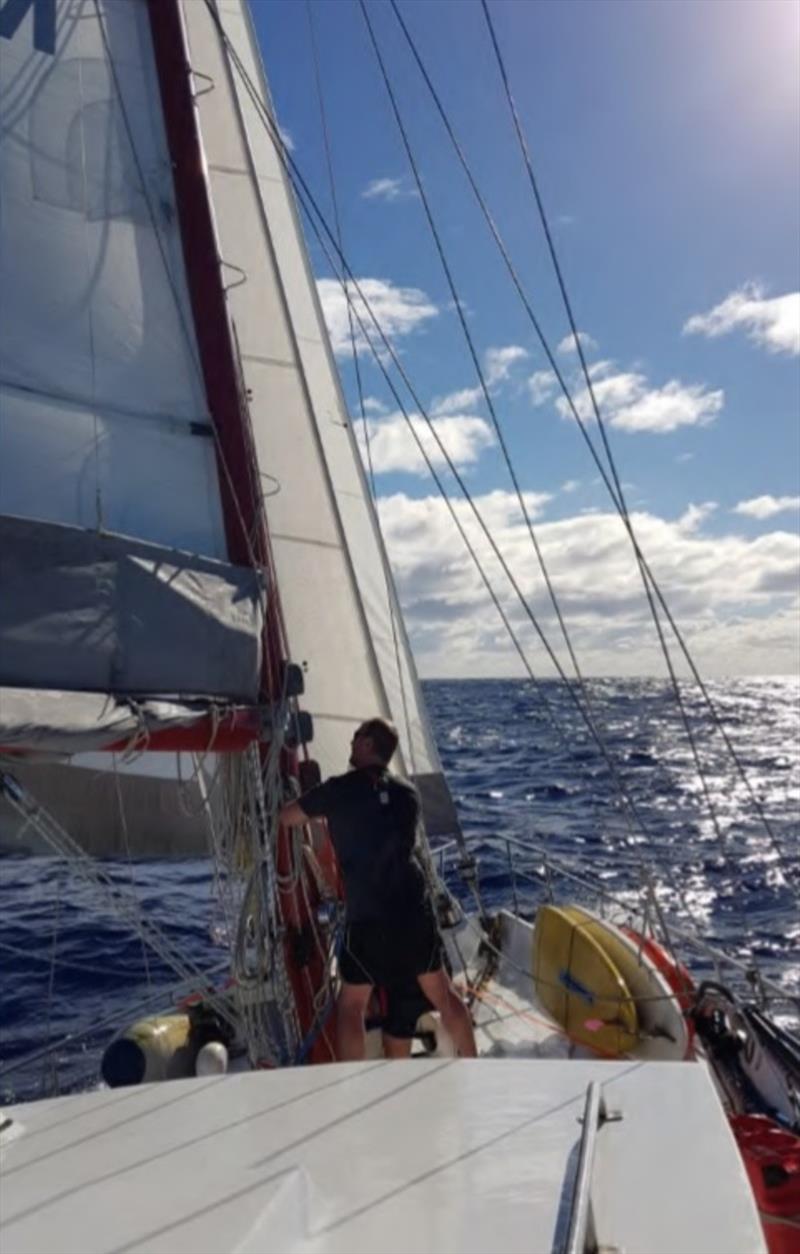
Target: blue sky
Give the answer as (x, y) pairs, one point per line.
(665, 140)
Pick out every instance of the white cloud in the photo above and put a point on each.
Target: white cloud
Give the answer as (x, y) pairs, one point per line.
(767, 506)
(374, 406)
(387, 189)
(499, 361)
(541, 386)
(684, 457)
(456, 402)
(730, 594)
(667, 408)
(286, 139)
(772, 322)
(399, 311)
(569, 345)
(393, 447)
(695, 515)
(571, 485)
(627, 402)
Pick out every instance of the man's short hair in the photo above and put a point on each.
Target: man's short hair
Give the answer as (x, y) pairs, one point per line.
(384, 737)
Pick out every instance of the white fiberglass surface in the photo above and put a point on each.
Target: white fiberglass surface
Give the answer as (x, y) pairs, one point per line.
(447, 1157)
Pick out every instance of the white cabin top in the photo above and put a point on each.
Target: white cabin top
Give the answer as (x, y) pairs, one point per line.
(430, 1155)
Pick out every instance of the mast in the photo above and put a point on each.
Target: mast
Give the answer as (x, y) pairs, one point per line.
(245, 520)
(245, 525)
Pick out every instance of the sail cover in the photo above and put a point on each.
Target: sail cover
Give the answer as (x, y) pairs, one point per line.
(342, 619)
(67, 723)
(89, 612)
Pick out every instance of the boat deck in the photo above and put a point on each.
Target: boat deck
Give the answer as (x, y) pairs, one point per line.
(508, 1021)
(429, 1155)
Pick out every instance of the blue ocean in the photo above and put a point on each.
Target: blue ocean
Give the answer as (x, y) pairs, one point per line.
(522, 766)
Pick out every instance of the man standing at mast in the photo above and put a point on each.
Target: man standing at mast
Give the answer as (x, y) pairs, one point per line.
(390, 936)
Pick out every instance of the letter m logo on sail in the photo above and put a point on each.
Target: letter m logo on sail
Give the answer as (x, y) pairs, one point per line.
(44, 21)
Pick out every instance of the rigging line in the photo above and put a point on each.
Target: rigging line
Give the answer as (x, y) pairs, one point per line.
(468, 498)
(619, 498)
(357, 369)
(517, 283)
(297, 179)
(601, 468)
(567, 871)
(298, 182)
(454, 515)
(552, 250)
(468, 336)
(557, 727)
(305, 195)
(523, 297)
(90, 327)
(689, 937)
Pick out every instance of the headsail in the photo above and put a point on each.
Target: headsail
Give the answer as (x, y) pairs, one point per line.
(339, 604)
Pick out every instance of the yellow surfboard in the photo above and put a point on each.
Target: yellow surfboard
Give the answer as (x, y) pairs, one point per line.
(579, 984)
(662, 1027)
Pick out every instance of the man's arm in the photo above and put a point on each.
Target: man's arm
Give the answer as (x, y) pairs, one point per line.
(314, 804)
(292, 815)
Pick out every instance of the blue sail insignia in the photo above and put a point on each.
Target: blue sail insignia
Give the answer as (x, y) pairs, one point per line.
(44, 22)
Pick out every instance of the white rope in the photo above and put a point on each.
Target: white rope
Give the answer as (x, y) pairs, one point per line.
(139, 739)
(259, 966)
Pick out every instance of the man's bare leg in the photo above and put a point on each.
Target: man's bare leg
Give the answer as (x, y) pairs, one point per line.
(443, 997)
(351, 1036)
(396, 1046)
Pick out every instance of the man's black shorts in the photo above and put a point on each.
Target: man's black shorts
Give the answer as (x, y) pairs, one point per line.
(384, 954)
(402, 1005)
